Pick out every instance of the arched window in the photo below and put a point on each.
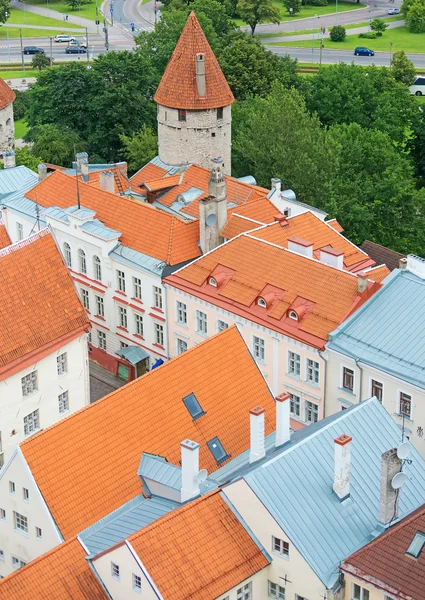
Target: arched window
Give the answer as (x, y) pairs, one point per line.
(261, 302)
(213, 282)
(67, 254)
(97, 268)
(83, 264)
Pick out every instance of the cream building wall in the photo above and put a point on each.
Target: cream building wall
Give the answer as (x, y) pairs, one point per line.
(15, 543)
(374, 593)
(7, 129)
(274, 367)
(338, 398)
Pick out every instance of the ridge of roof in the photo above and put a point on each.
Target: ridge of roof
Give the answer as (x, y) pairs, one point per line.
(25, 242)
(178, 89)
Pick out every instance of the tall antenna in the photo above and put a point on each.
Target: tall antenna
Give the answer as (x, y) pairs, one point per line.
(76, 179)
(37, 218)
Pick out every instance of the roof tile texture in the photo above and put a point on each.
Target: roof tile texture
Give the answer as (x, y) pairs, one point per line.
(382, 255)
(35, 284)
(378, 273)
(249, 216)
(198, 551)
(86, 465)
(386, 560)
(61, 574)
(178, 89)
(4, 236)
(7, 95)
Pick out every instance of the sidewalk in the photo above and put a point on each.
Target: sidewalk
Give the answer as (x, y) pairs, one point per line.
(102, 382)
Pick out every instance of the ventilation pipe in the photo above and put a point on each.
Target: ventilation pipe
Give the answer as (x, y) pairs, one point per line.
(42, 172)
(256, 419)
(200, 75)
(190, 470)
(342, 469)
(283, 432)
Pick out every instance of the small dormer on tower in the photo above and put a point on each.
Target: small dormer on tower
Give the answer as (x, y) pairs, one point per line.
(200, 75)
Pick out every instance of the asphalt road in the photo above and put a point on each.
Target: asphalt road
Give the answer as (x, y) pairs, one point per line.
(96, 47)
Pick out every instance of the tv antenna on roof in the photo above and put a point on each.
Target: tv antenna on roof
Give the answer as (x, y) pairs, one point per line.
(76, 179)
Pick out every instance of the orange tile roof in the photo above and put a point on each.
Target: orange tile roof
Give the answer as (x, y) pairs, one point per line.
(337, 226)
(384, 561)
(144, 228)
(119, 176)
(4, 236)
(35, 284)
(199, 551)
(312, 229)
(7, 95)
(249, 216)
(61, 574)
(378, 273)
(324, 294)
(86, 465)
(153, 185)
(178, 89)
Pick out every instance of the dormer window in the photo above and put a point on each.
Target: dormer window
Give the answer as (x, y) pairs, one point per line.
(212, 281)
(182, 114)
(293, 315)
(261, 302)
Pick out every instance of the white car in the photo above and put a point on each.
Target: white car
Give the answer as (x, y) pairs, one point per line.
(64, 37)
(418, 87)
(393, 11)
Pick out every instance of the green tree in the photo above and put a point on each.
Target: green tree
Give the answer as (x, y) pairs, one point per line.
(337, 33)
(257, 11)
(55, 144)
(415, 16)
(4, 8)
(402, 68)
(75, 4)
(20, 105)
(139, 148)
(40, 61)
(295, 5)
(378, 25)
(24, 156)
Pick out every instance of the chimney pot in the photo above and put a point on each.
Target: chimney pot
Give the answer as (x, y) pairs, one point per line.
(341, 485)
(389, 497)
(190, 469)
(84, 167)
(402, 263)
(256, 417)
(362, 281)
(42, 172)
(283, 431)
(300, 246)
(282, 219)
(332, 256)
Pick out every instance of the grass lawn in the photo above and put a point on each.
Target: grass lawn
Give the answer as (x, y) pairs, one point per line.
(28, 18)
(401, 38)
(305, 31)
(21, 127)
(87, 11)
(14, 33)
(309, 11)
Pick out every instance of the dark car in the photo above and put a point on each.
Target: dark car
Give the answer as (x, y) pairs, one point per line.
(359, 51)
(75, 50)
(33, 50)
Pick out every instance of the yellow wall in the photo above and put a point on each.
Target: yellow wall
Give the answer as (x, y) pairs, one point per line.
(374, 594)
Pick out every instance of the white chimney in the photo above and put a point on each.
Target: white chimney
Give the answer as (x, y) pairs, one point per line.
(42, 172)
(332, 256)
(256, 422)
(402, 263)
(84, 167)
(9, 160)
(389, 497)
(283, 432)
(107, 182)
(190, 470)
(200, 75)
(415, 264)
(362, 282)
(79, 157)
(342, 467)
(276, 184)
(300, 246)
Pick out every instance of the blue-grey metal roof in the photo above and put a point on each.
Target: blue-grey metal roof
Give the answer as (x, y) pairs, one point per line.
(81, 213)
(133, 354)
(388, 332)
(295, 486)
(248, 179)
(170, 168)
(93, 167)
(133, 257)
(16, 178)
(17, 202)
(98, 229)
(125, 521)
(185, 198)
(56, 213)
(159, 469)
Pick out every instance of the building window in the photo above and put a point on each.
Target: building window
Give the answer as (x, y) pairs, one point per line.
(157, 297)
(101, 340)
(2, 514)
(100, 306)
(21, 522)
(121, 281)
(137, 583)
(405, 405)
(82, 260)
(347, 379)
(137, 288)
(181, 346)
(19, 231)
(123, 345)
(139, 324)
(293, 315)
(259, 348)
(294, 364)
(31, 423)
(244, 592)
(38, 533)
(416, 545)
(97, 268)
(280, 547)
(201, 322)
(63, 400)
(377, 389)
(115, 571)
(276, 591)
(359, 593)
(85, 298)
(181, 313)
(295, 405)
(122, 314)
(17, 563)
(261, 302)
(222, 325)
(311, 412)
(25, 494)
(29, 383)
(220, 113)
(61, 363)
(312, 371)
(12, 487)
(211, 280)
(67, 254)
(159, 334)
(182, 115)
(1, 555)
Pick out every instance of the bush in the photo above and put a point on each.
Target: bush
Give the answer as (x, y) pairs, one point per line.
(338, 33)
(368, 36)
(319, 2)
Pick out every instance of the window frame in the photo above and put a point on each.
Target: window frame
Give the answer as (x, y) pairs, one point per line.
(20, 523)
(121, 281)
(29, 377)
(19, 231)
(115, 571)
(244, 592)
(280, 547)
(159, 334)
(62, 364)
(296, 404)
(63, 402)
(25, 494)
(122, 317)
(277, 593)
(100, 306)
(82, 261)
(138, 320)
(220, 324)
(85, 298)
(181, 312)
(377, 385)
(38, 533)
(157, 297)
(29, 427)
(313, 371)
(180, 341)
(259, 348)
(345, 373)
(362, 594)
(101, 340)
(137, 587)
(97, 268)
(201, 322)
(313, 408)
(67, 255)
(407, 399)
(295, 358)
(137, 288)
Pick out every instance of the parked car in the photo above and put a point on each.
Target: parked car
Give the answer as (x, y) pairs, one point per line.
(78, 44)
(32, 50)
(64, 37)
(75, 50)
(360, 51)
(393, 11)
(418, 87)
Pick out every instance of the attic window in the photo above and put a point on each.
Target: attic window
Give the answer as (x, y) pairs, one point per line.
(293, 315)
(212, 281)
(192, 404)
(182, 115)
(262, 302)
(416, 545)
(217, 450)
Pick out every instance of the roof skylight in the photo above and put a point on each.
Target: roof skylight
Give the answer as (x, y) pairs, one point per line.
(217, 450)
(192, 404)
(416, 545)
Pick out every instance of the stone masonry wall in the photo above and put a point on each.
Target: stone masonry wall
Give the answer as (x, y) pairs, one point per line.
(7, 129)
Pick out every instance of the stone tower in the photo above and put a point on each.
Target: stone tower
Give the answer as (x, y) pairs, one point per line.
(194, 104)
(7, 127)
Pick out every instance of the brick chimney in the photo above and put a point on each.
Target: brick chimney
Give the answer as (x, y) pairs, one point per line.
(300, 246)
(107, 181)
(190, 470)
(256, 421)
(389, 497)
(200, 75)
(332, 256)
(342, 467)
(281, 219)
(283, 431)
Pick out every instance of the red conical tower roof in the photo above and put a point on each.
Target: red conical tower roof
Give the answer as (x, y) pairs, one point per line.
(178, 89)
(7, 95)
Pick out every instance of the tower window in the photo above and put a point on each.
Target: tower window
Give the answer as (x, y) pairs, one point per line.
(213, 135)
(219, 113)
(182, 115)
